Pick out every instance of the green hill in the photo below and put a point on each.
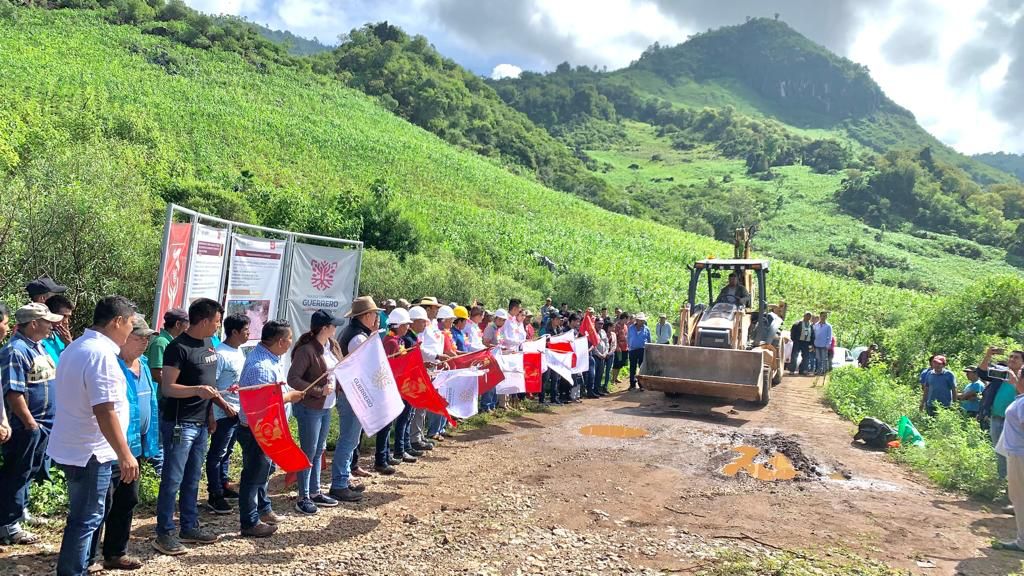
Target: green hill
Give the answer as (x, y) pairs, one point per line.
(297, 45)
(755, 124)
(104, 123)
(1010, 163)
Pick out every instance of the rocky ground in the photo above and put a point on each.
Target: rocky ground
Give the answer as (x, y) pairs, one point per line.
(534, 495)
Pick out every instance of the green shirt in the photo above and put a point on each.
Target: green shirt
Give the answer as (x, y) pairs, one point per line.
(155, 352)
(1004, 397)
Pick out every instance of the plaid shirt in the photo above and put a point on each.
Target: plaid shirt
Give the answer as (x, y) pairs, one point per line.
(261, 367)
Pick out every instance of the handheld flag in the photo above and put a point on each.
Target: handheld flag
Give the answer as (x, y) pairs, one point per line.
(532, 369)
(484, 360)
(588, 329)
(366, 379)
(581, 356)
(512, 366)
(414, 383)
(264, 408)
(460, 388)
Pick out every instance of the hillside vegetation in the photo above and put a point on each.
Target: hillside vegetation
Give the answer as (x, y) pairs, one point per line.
(104, 123)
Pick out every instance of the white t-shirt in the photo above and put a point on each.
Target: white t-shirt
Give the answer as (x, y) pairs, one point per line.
(332, 394)
(87, 375)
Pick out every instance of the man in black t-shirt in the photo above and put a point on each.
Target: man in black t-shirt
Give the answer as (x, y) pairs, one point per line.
(188, 386)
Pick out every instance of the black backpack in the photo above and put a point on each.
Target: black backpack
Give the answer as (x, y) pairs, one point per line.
(875, 433)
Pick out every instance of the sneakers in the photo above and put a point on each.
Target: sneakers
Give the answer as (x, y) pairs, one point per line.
(198, 536)
(260, 530)
(346, 495)
(409, 458)
(219, 506)
(169, 544)
(394, 461)
(20, 538)
(385, 469)
(413, 452)
(122, 563)
(305, 506)
(229, 493)
(270, 518)
(325, 501)
(422, 446)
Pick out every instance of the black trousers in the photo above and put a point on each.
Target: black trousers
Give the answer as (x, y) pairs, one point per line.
(117, 525)
(636, 359)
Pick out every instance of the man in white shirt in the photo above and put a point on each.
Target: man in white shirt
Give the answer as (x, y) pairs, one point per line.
(431, 341)
(663, 330)
(513, 333)
(90, 427)
(230, 362)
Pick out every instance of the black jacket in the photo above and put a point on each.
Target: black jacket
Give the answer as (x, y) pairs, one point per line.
(794, 332)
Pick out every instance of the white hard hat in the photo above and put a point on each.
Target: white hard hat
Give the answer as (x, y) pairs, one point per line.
(445, 313)
(400, 316)
(418, 313)
(501, 313)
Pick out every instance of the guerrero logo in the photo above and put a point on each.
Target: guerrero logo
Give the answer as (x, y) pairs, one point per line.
(323, 273)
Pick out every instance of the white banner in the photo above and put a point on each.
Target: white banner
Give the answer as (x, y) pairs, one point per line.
(206, 268)
(560, 362)
(582, 348)
(321, 278)
(366, 379)
(254, 280)
(461, 389)
(538, 345)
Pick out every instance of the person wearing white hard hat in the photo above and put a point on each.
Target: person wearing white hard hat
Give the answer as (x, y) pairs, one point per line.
(397, 340)
(437, 423)
(431, 341)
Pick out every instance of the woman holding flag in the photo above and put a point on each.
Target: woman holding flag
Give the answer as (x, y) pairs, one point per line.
(313, 359)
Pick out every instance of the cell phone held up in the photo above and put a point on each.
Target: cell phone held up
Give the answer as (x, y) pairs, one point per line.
(998, 372)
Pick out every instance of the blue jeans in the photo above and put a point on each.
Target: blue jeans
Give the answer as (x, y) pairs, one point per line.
(821, 360)
(348, 440)
(436, 424)
(608, 363)
(590, 376)
(313, 427)
(599, 369)
(218, 458)
(183, 468)
(402, 431)
(489, 400)
(995, 430)
(24, 454)
(252, 487)
(87, 493)
(381, 452)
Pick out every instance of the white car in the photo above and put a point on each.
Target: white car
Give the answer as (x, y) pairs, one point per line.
(842, 357)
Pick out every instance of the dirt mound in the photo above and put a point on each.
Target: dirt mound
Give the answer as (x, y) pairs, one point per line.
(762, 449)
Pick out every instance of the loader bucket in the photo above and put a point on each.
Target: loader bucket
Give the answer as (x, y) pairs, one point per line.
(717, 372)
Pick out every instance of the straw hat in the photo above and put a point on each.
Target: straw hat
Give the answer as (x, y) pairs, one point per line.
(428, 301)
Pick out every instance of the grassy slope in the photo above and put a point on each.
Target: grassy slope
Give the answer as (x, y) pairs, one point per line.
(795, 233)
(307, 133)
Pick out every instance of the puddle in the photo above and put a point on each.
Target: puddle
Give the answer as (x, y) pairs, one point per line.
(613, 431)
(778, 466)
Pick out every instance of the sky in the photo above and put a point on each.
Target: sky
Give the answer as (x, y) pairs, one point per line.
(958, 65)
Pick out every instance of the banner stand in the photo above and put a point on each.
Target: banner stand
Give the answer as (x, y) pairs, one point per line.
(340, 291)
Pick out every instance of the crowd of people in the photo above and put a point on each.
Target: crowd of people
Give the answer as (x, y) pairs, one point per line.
(120, 394)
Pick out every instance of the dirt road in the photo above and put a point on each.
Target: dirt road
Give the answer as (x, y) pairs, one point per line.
(536, 496)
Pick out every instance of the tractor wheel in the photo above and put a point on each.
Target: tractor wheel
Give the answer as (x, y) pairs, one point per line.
(766, 386)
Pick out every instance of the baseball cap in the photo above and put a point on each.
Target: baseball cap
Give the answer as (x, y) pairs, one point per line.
(941, 359)
(35, 311)
(175, 315)
(501, 313)
(140, 327)
(42, 285)
(403, 303)
(323, 318)
(971, 369)
(390, 302)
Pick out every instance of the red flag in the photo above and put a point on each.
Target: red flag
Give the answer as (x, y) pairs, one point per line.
(483, 360)
(564, 347)
(588, 329)
(264, 409)
(532, 371)
(414, 383)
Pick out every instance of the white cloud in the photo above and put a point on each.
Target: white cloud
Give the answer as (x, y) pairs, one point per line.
(506, 71)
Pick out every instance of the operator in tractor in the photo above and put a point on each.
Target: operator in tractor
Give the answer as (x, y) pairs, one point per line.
(734, 293)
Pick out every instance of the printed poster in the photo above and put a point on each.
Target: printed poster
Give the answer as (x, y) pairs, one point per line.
(254, 280)
(205, 275)
(175, 267)
(321, 277)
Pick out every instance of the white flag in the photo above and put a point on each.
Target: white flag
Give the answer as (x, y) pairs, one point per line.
(366, 379)
(515, 375)
(539, 345)
(560, 362)
(582, 348)
(461, 389)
